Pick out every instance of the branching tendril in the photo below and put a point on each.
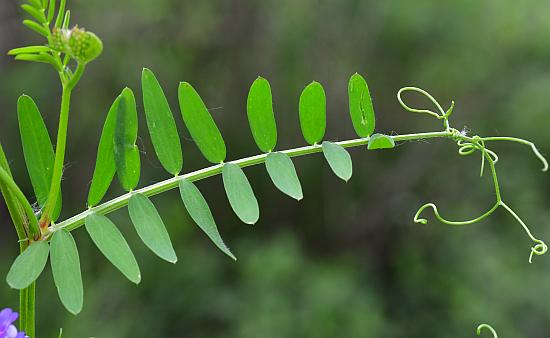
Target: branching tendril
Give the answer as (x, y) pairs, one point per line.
(468, 145)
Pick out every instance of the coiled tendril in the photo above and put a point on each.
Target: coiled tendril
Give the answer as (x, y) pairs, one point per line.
(488, 327)
(468, 145)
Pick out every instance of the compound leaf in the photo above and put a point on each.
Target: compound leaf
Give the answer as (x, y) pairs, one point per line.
(150, 227)
(259, 108)
(37, 150)
(240, 193)
(28, 266)
(360, 106)
(339, 160)
(126, 152)
(112, 244)
(105, 167)
(200, 124)
(200, 212)
(66, 270)
(312, 109)
(380, 141)
(161, 124)
(283, 174)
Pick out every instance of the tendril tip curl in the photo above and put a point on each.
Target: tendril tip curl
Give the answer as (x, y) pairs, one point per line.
(488, 327)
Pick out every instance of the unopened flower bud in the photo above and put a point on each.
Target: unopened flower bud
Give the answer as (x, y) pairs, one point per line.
(81, 45)
(59, 40)
(84, 46)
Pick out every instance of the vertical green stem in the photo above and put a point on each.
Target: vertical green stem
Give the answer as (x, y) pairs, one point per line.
(18, 216)
(59, 158)
(27, 298)
(494, 175)
(61, 146)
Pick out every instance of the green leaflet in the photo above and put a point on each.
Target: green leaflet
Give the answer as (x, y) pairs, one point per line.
(161, 124)
(4, 164)
(112, 244)
(21, 211)
(37, 14)
(360, 106)
(28, 266)
(259, 108)
(313, 109)
(51, 10)
(42, 57)
(339, 160)
(38, 150)
(240, 193)
(66, 271)
(150, 227)
(63, 16)
(105, 167)
(36, 3)
(14, 206)
(283, 174)
(200, 212)
(380, 141)
(36, 27)
(200, 124)
(29, 50)
(126, 152)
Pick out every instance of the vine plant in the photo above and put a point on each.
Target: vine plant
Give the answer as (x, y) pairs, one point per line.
(40, 235)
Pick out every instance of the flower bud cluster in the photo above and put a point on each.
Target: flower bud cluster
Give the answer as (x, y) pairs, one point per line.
(81, 45)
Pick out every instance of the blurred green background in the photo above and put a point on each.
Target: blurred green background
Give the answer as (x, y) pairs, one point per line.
(347, 261)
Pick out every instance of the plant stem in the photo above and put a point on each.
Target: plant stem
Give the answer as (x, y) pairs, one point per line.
(59, 158)
(18, 216)
(61, 145)
(27, 299)
(171, 183)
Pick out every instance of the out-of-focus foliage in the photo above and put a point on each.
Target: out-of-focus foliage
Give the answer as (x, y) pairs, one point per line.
(347, 260)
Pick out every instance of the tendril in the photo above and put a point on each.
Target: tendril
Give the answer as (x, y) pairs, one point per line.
(534, 149)
(422, 111)
(440, 115)
(540, 157)
(538, 249)
(488, 327)
(417, 218)
(466, 146)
